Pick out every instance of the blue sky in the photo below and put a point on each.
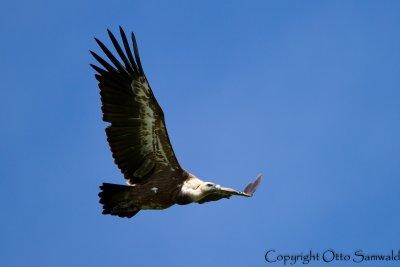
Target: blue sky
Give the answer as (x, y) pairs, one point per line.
(305, 92)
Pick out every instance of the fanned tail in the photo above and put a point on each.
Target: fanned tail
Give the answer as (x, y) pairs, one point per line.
(116, 200)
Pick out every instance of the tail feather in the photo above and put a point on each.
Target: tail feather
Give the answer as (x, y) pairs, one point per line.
(115, 200)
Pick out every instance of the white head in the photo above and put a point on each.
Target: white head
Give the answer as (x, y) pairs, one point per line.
(208, 187)
(197, 189)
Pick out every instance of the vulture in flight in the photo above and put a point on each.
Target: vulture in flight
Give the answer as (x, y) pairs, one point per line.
(139, 141)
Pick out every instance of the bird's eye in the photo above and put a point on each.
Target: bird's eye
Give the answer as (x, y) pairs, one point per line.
(209, 185)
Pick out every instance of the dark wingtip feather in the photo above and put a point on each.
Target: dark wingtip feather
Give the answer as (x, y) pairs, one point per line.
(120, 52)
(110, 56)
(104, 63)
(136, 51)
(98, 69)
(128, 49)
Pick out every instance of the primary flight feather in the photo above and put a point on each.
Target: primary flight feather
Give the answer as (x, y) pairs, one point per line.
(139, 141)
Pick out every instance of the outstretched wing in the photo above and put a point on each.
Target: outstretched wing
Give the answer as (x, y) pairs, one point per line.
(137, 134)
(225, 192)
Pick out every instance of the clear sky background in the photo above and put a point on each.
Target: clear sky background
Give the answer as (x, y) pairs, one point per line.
(306, 92)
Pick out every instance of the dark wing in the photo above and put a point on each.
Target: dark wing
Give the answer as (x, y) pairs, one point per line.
(137, 135)
(225, 192)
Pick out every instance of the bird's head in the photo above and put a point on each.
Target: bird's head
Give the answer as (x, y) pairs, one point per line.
(209, 187)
